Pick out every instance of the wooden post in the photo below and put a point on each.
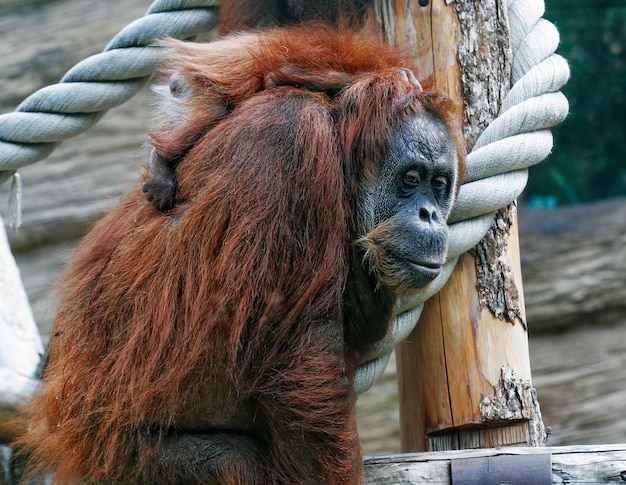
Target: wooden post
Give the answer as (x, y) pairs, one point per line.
(464, 373)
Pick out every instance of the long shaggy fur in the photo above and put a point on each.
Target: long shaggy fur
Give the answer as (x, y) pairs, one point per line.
(230, 305)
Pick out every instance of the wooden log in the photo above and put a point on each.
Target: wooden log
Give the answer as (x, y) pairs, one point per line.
(589, 465)
(574, 262)
(464, 373)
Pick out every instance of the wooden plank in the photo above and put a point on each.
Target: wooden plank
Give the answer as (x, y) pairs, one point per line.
(531, 469)
(589, 465)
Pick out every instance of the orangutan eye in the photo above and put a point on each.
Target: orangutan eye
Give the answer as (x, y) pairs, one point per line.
(439, 183)
(411, 178)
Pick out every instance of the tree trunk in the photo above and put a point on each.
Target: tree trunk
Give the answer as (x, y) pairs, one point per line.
(464, 373)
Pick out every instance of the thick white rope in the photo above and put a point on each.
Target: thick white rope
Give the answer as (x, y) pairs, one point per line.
(497, 167)
(89, 89)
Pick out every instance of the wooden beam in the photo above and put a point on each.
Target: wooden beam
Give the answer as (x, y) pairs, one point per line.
(589, 465)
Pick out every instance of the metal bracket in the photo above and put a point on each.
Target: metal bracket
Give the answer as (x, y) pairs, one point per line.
(534, 469)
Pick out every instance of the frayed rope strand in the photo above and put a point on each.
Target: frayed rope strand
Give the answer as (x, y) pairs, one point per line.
(15, 202)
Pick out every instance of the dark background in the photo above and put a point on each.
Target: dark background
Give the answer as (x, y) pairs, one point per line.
(589, 158)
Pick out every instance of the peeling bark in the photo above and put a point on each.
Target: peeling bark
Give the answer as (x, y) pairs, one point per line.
(515, 399)
(496, 287)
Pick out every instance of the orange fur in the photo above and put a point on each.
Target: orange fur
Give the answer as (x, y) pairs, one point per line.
(230, 70)
(226, 314)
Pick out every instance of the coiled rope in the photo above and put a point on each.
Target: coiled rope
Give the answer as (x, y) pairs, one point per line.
(497, 168)
(97, 84)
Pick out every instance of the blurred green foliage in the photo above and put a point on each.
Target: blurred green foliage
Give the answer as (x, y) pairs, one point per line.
(588, 161)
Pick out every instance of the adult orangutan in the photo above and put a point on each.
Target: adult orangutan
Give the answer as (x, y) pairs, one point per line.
(306, 178)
